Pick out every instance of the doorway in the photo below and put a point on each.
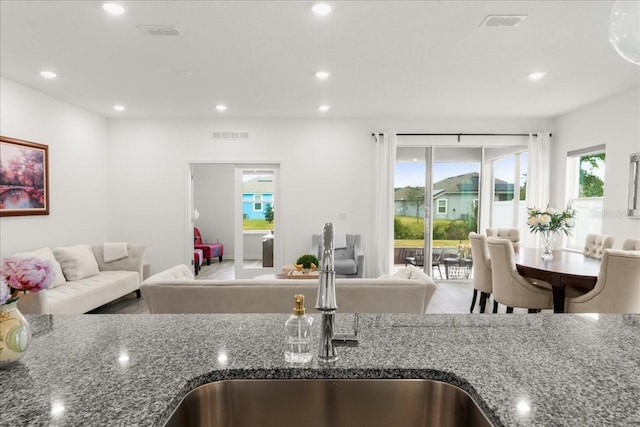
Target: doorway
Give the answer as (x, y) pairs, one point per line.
(442, 193)
(256, 220)
(436, 205)
(217, 193)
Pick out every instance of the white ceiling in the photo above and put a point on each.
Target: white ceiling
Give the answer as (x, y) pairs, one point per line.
(386, 58)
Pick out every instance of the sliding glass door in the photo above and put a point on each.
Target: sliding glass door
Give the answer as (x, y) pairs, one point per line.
(435, 205)
(444, 192)
(412, 207)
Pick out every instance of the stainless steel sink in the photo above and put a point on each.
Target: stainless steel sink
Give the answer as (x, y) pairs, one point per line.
(328, 403)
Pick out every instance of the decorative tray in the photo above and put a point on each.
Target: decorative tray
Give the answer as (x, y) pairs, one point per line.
(295, 274)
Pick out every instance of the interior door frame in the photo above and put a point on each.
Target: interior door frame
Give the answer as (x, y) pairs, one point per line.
(190, 204)
(240, 271)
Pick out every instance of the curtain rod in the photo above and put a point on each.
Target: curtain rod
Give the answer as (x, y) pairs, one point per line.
(462, 134)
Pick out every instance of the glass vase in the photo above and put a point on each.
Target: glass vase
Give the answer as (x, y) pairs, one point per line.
(15, 333)
(548, 240)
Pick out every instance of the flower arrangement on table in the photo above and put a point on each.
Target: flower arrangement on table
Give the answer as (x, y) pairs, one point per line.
(464, 250)
(551, 220)
(19, 274)
(549, 223)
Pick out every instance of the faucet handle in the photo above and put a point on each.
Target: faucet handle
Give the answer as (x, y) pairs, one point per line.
(345, 339)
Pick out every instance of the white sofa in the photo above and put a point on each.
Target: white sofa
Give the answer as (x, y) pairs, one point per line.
(103, 281)
(176, 291)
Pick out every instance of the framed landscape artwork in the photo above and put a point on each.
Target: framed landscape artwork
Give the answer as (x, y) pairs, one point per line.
(24, 178)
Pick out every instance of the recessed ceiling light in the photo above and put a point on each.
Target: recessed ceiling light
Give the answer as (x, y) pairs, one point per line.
(321, 9)
(322, 75)
(48, 74)
(537, 75)
(323, 108)
(221, 107)
(119, 107)
(113, 8)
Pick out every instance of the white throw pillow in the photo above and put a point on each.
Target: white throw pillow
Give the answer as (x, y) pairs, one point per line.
(77, 261)
(416, 274)
(47, 254)
(403, 273)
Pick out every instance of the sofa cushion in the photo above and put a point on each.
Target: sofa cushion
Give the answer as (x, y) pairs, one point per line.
(77, 262)
(345, 266)
(80, 296)
(47, 254)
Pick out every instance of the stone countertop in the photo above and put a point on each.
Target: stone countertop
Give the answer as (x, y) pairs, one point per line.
(522, 369)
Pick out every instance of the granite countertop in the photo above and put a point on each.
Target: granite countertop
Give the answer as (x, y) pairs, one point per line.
(125, 370)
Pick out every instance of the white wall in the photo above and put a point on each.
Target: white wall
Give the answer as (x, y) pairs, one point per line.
(324, 172)
(615, 122)
(213, 197)
(77, 170)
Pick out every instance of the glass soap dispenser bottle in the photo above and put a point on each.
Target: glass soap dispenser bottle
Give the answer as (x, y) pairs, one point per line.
(298, 334)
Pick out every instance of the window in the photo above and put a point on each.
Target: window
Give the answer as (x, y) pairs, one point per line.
(585, 191)
(257, 202)
(442, 206)
(509, 208)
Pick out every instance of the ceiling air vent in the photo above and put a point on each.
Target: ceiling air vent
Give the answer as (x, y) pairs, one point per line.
(235, 135)
(503, 20)
(160, 30)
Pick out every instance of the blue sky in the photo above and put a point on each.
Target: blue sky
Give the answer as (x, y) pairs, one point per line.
(411, 173)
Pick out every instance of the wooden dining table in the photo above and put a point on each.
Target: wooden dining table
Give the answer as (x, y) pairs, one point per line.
(564, 269)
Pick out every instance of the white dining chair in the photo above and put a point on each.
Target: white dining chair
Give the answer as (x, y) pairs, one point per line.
(512, 234)
(631, 245)
(482, 280)
(595, 244)
(509, 287)
(617, 289)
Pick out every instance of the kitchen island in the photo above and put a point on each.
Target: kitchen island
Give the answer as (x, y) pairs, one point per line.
(522, 370)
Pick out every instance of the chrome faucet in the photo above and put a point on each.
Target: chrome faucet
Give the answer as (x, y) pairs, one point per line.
(326, 302)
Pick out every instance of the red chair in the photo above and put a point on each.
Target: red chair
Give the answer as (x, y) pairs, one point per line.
(209, 250)
(197, 260)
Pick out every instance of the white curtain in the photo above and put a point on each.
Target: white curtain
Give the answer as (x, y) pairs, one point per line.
(383, 170)
(538, 178)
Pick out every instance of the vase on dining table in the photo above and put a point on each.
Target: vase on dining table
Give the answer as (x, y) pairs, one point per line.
(548, 240)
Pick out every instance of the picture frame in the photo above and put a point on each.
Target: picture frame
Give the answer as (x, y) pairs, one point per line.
(24, 178)
(633, 208)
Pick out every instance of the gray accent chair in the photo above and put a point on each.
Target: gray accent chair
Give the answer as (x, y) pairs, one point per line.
(348, 261)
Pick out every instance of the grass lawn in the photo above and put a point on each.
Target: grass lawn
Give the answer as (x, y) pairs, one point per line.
(420, 243)
(256, 224)
(417, 226)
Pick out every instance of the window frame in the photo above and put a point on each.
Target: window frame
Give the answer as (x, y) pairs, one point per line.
(446, 204)
(257, 200)
(572, 181)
